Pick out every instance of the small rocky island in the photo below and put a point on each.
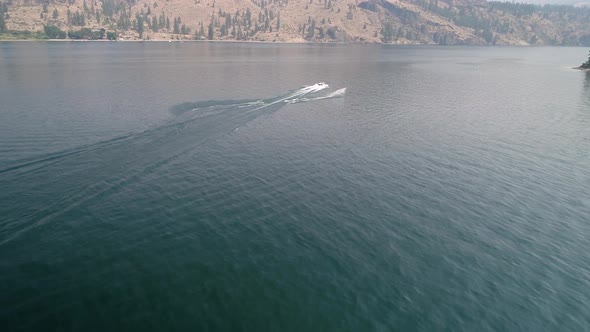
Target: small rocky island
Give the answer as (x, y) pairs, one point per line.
(585, 65)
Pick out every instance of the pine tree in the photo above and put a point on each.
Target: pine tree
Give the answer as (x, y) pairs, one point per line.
(154, 24)
(311, 31)
(139, 27)
(55, 14)
(388, 32)
(176, 26)
(210, 31)
(584, 65)
(248, 19)
(2, 22)
(227, 20)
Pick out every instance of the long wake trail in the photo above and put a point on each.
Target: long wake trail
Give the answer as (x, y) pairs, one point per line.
(52, 185)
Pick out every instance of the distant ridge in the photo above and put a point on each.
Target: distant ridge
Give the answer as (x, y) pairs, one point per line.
(444, 22)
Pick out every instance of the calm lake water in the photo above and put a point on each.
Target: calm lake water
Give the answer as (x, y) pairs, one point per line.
(196, 186)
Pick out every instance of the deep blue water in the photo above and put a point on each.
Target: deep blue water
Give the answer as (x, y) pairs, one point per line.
(170, 187)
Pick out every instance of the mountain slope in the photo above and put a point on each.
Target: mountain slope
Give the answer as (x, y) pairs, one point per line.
(446, 22)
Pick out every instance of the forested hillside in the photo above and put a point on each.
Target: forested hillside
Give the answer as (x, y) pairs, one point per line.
(445, 22)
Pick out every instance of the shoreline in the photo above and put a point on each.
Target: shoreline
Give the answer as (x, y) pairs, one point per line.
(305, 42)
(173, 41)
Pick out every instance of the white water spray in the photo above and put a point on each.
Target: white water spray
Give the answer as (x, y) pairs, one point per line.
(312, 89)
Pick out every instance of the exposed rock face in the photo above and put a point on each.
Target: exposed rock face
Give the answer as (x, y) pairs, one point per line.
(445, 22)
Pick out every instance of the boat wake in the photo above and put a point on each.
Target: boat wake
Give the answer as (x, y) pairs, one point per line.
(93, 172)
(297, 96)
(336, 94)
(211, 113)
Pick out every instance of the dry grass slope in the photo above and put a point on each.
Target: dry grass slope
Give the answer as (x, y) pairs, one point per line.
(448, 22)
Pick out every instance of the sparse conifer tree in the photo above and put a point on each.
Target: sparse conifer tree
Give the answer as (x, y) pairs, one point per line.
(210, 32)
(311, 32)
(155, 25)
(139, 26)
(587, 63)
